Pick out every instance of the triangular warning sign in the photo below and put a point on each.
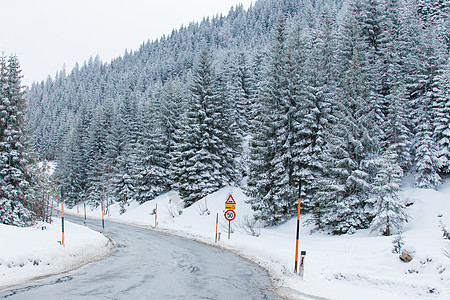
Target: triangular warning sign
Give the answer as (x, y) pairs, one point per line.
(230, 200)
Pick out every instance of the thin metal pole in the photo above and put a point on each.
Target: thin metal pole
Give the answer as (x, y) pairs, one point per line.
(103, 220)
(51, 210)
(229, 229)
(156, 215)
(84, 214)
(298, 226)
(217, 223)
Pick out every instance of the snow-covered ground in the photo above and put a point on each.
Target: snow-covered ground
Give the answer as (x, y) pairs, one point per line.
(29, 253)
(358, 266)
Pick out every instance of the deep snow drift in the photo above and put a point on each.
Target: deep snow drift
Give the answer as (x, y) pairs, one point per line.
(28, 253)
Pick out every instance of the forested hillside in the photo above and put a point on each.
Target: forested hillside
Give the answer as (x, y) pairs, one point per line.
(347, 97)
(24, 185)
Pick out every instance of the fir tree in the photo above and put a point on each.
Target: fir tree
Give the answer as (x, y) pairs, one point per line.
(425, 105)
(153, 162)
(16, 202)
(390, 209)
(274, 194)
(442, 119)
(347, 156)
(170, 110)
(203, 153)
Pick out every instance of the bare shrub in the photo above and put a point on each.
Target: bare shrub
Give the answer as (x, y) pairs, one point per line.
(445, 232)
(446, 252)
(175, 208)
(250, 225)
(203, 207)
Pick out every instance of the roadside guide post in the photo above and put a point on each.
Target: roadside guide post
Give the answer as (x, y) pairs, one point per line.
(302, 264)
(156, 215)
(298, 228)
(230, 214)
(217, 225)
(103, 219)
(84, 214)
(62, 216)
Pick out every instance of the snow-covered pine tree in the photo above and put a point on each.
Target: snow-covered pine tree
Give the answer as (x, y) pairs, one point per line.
(200, 153)
(427, 163)
(74, 159)
(241, 89)
(347, 157)
(67, 173)
(390, 211)
(96, 149)
(425, 110)
(316, 71)
(442, 119)
(113, 141)
(435, 13)
(16, 206)
(125, 182)
(391, 98)
(153, 161)
(170, 108)
(227, 130)
(271, 149)
(259, 157)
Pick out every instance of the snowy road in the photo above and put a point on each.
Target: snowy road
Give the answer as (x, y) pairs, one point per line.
(152, 265)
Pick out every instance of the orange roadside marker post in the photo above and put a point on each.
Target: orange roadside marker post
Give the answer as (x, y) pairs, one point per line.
(62, 216)
(298, 226)
(103, 220)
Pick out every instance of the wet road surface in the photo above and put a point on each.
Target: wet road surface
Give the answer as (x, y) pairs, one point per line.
(152, 265)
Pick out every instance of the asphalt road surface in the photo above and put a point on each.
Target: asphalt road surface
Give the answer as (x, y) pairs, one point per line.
(152, 265)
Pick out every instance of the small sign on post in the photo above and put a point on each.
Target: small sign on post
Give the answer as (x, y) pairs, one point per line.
(230, 214)
(230, 202)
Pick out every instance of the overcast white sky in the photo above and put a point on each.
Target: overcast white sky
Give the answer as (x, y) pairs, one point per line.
(46, 34)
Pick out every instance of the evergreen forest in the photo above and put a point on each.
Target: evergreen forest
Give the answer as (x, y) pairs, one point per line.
(349, 97)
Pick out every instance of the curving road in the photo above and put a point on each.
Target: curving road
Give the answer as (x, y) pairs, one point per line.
(152, 265)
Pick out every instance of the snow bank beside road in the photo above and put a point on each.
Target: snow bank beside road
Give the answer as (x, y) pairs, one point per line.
(28, 253)
(358, 266)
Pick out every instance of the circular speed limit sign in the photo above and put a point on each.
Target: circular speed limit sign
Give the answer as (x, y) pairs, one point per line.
(230, 215)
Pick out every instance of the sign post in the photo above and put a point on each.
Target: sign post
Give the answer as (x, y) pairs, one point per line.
(230, 214)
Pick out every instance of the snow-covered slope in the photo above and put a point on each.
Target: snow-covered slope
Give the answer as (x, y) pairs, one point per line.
(27, 253)
(358, 266)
